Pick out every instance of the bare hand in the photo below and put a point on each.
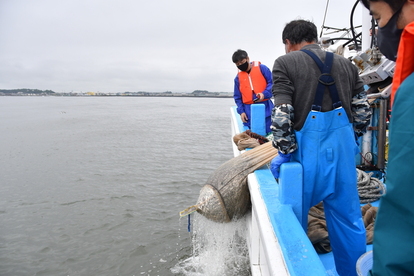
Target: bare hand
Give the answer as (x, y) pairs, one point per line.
(259, 97)
(244, 118)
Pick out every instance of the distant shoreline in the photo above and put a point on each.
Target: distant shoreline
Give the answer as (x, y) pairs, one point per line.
(35, 92)
(143, 96)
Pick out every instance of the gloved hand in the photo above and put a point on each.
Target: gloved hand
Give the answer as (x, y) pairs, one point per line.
(277, 161)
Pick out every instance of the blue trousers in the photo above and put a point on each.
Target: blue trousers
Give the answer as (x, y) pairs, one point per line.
(326, 150)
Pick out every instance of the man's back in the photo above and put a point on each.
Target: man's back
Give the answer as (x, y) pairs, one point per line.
(295, 78)
(322, 142)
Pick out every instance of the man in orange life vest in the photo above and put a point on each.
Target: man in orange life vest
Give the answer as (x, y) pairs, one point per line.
(253, 84)
(393, 250)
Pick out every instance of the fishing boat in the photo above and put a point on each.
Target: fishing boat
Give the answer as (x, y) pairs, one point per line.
(277, 242)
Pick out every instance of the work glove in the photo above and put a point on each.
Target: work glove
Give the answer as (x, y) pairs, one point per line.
(277, 161)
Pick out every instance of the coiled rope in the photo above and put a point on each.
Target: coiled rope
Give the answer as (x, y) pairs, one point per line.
(370, 189)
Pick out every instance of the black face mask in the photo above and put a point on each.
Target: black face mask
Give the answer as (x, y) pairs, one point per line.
(243, 67)
(389, 37)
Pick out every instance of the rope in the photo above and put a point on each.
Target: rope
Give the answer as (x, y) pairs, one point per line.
(370, 189)
(261, 139)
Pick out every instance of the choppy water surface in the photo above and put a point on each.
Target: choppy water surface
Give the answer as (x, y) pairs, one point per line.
(94, 185)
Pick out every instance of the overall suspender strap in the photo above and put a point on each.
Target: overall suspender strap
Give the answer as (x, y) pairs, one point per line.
(325, 80)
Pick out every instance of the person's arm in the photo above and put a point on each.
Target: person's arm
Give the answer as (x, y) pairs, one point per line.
(284, 138)
(238, 96)
(360, 108)
(267, 93)
(361, 113)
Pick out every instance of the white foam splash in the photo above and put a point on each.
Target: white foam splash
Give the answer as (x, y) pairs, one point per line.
(218, 249)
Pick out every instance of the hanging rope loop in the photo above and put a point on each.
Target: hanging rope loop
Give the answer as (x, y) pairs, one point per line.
(370, 189)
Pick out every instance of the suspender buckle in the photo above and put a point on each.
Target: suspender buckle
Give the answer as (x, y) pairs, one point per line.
(326, 79)
(337, 104)
(316, 108)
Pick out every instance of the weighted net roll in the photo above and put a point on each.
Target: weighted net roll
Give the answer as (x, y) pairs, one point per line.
(211, 205)
(225, 196)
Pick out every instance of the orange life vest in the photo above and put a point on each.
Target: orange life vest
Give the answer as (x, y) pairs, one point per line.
(405, 59)
(251, 83)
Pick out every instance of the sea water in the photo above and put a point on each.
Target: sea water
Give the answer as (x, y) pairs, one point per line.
(218, 249)
(94, 186)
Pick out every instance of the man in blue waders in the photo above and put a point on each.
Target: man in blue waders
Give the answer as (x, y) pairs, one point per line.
(320, 109)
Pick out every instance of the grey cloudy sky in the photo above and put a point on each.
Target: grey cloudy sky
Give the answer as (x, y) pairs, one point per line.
(151, 45)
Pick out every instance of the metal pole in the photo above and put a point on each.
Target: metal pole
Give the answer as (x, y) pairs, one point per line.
(366, 26)
(382, 128)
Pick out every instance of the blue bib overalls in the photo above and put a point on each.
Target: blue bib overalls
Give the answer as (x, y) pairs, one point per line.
(326, 150)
